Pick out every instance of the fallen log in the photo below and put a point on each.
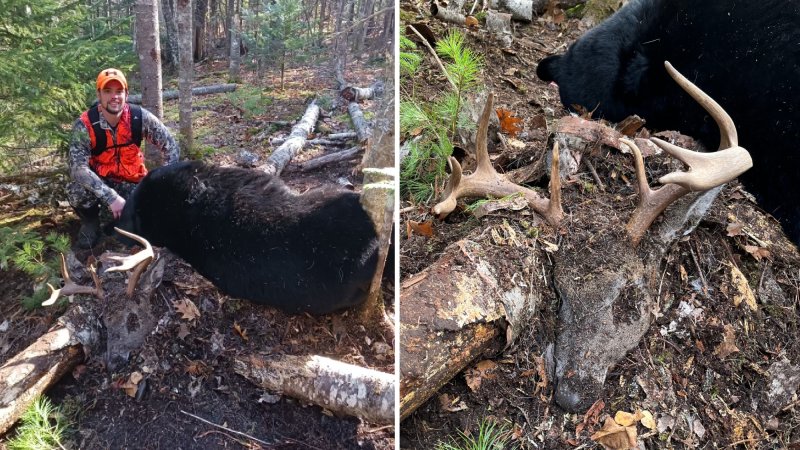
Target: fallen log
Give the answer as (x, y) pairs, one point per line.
(359, 122)
(279, 158)
(358, 94)
(202, 90)
(318, 141)
(31, 372)
(356, 116)
(336, 386)
(520, 9)
(447, 14)
(323, 160)
(454, 310)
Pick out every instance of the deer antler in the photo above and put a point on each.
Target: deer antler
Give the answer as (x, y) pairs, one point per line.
(706, 170)
(486, 182)
(70, 288)
(138, 261)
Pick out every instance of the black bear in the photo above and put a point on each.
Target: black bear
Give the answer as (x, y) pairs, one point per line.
(744, 54)
(254, 238)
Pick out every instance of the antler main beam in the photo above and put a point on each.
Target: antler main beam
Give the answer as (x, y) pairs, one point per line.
(486, 182)
(706, 170)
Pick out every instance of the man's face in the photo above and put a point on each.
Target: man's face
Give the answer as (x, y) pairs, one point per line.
(112, 97)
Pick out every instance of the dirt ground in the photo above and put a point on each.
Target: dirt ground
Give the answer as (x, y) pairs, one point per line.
(187, 364)
(702, 392)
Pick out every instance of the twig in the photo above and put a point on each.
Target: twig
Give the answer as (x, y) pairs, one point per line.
(594, 174)
(433, 52)
(473, 7)
(225, 428)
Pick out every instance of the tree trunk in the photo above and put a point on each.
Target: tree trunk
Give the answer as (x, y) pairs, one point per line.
(200, 14)
(278, 160)
(149, 51)
(186, 75)
(235, 61)
(171, 29)
(339, 387)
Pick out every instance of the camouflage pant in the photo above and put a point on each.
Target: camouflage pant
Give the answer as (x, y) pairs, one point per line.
(81, 198)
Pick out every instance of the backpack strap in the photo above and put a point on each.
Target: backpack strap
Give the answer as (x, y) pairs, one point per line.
(136, 124)
(100, 134)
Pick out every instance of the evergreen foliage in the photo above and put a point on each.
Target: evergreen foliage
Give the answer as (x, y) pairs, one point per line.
(37, 257)
(435, 124)
(43, 426)
(51, 51)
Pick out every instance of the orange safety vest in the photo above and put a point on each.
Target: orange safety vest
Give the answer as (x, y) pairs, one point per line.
(120, 159)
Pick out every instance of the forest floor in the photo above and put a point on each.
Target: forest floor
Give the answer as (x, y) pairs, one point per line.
(187, 363)
(704, 368)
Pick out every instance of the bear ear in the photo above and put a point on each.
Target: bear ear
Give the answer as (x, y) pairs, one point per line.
(548, 67)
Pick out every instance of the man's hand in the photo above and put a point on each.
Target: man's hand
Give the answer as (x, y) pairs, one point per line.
(116, 207)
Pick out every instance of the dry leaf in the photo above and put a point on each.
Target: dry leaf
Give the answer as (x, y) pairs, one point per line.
(684, 275)
(187, 309)
(471, 22)
(508, 123)
(614, 436)
(240, 331)
(132, 384)
(197, 368)
(475, 376)
(757, 252)
(627, 419)
(735, 229)
(451, 404)
(728, 345)
(421, 228)
(647, 420)
(742, 290)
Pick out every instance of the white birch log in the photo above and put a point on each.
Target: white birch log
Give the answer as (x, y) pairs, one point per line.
(339, 387)
(278, 160)
(520, 9)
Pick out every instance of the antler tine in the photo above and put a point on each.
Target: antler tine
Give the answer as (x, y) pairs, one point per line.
(70, 288)
(651, 202)
(485, 181)
(138, 261)
(727, 129)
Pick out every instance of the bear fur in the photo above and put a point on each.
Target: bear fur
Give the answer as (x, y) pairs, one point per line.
(254, 238)
(745, 55)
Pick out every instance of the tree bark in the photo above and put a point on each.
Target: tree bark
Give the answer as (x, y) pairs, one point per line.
(202, 90)
(278, 160)
(235, 57)
(200, 14)
(30, 373)
(451, 313)
(320, 161)
(171, 31)
(339, 387)
(186, 75)
(149, 51)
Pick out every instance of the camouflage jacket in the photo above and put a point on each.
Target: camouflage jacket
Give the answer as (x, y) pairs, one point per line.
(80, 150)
